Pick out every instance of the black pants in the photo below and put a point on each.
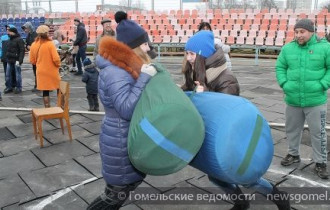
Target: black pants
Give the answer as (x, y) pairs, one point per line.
(74, 60)
(93, 102)
(34, 67)
(113, 197)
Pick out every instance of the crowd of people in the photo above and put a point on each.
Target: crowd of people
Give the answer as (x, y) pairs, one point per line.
(302, 71)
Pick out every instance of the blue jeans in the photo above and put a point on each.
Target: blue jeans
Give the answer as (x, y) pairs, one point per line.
(10, 71)
(80, 57)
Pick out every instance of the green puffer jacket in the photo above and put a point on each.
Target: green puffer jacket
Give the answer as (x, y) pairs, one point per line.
(303, 72)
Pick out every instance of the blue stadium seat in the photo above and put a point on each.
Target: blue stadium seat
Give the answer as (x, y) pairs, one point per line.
(23, 20)
(36, 19)
(10, 21)
(29, 19)
(17, 20)
(42, 19)
(36, 25)
(4, 20)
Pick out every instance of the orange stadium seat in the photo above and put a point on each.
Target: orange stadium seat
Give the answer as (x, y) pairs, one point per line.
(157, 39)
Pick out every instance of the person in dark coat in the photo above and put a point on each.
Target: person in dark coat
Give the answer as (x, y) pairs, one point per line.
(4, 46)
(31, 35)
(90, 77)
(14, 56)
(81, 42)
(124, 73)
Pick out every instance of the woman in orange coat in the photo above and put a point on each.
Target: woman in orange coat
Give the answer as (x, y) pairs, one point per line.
(44, 55)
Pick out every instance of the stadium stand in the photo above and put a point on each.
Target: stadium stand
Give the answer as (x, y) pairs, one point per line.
(257, 28)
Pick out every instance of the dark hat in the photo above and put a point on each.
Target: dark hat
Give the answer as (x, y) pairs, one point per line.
(120, 15)
(105, 20)
(202, 43)
(13, 30)
(129, 32)
(305, 24)
(76, 19)
(87, 62)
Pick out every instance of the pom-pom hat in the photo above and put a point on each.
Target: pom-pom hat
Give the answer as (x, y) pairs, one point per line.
(202, 43)
(129, 32)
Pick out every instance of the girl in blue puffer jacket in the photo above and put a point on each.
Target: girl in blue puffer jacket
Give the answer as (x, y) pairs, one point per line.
(123, 76)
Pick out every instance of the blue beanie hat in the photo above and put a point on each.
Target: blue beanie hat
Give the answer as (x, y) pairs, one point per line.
(87, 62)
(129, 32)
(202, 43)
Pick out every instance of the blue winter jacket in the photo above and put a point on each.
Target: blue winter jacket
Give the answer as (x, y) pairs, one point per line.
(119, 93)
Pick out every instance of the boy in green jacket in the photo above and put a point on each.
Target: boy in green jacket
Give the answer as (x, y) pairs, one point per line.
(303, 72)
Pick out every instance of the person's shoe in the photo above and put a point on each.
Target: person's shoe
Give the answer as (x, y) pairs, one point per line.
(281, 199)
(0, 98)
(78, 73)
(73, 69)
(7, 90)
(290, 159)
(17, 91)
(321, 170)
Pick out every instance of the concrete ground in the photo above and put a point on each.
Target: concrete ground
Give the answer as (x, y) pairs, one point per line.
(67, 175)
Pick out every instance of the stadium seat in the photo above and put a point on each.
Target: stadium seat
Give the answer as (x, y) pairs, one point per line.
(243, 33)
(184, 39)
(280, 34)
(233, 33)
(262, 33)
(288, 39)
(175, 39)
(253, 33)
(166, 39)
(249, 40)
(279, 41)
(157, 39)
(259, 41)
(240, 40)
(230, 40)
(269, 41)
(271, 34)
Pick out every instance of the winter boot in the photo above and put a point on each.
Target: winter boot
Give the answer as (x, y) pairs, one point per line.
(240, 204)
(281, 199)
(90, 102)
(46, 101)
(113, 197)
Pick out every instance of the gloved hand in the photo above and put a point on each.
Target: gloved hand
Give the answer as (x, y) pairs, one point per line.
(148, 69)
(17, 63)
